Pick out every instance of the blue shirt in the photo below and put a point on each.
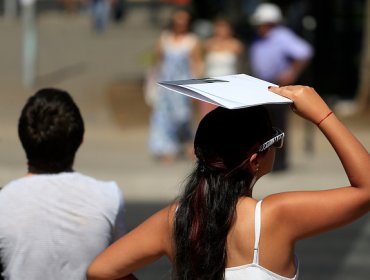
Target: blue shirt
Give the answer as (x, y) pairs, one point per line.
(272, 55)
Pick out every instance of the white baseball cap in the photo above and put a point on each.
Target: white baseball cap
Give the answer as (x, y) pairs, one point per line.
(266, 13)
(27, 2)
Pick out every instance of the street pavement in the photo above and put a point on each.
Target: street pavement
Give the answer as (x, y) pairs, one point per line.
(105, 74)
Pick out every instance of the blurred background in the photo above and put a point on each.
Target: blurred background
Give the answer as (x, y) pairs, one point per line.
(106, 61)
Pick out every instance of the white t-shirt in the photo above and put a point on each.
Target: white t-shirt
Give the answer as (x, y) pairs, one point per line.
(53, 226)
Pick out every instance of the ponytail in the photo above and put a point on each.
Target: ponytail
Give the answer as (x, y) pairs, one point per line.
(224, 141)
(203, 219)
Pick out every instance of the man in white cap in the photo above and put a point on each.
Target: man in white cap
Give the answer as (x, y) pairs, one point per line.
(277, 55)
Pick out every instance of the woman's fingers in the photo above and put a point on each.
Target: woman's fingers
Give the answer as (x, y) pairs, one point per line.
(283, 91)
(306, 101)
(294, 93)
(275, 89)
(287, 91)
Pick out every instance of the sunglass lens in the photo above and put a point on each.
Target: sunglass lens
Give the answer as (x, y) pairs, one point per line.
(279, 144)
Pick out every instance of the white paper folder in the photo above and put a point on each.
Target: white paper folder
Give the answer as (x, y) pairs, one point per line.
(232, 91)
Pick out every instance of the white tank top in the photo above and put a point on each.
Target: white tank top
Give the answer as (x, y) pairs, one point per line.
(254, 271)
(221, 63)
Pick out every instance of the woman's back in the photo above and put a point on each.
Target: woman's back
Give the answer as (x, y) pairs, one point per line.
(245, 257)
(274, 256)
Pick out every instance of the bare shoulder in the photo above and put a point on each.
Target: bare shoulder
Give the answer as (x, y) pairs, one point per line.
(166, 214)
(237, 45)
(245, 208)
(208, 44)
(271, 208)
(246, 201)
(275, 206)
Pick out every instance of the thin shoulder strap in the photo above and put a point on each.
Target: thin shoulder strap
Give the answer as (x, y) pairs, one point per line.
(257, 231)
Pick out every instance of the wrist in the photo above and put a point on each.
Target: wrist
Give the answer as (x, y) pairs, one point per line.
(324, 118)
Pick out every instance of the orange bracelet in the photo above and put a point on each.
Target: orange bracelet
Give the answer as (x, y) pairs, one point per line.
(324, 118)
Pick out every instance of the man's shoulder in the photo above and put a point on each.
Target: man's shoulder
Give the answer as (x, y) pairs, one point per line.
(72, 179)
(10, 193)
(13, 183)
(108, 193)
(109, 188)
(76, 176)
(281, 29)
(284, 33)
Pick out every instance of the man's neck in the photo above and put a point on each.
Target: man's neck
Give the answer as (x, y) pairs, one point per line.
(35, 171)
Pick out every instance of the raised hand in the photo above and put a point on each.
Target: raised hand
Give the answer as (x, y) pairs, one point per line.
(307, 103)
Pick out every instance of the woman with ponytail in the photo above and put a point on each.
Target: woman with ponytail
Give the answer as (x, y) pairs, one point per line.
(216, 229)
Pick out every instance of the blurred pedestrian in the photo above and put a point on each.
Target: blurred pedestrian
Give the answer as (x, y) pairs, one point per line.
(100, 13)
(178, 57)
(279, 56)
(119, 9)
(216, 229)
(54, 220)
(222, 55)
(70, 5)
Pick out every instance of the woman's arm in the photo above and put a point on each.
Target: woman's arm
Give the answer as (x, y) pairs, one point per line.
(196, 60)
(307, 213)
(239, 47)
(158, 50)
(143, 245)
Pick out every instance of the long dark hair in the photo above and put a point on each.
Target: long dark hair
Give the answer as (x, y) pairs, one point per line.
(223, 144)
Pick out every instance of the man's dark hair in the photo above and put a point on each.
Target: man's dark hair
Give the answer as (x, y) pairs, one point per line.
(51, 130)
